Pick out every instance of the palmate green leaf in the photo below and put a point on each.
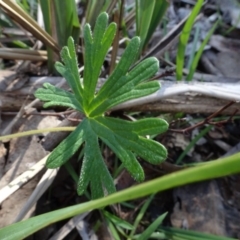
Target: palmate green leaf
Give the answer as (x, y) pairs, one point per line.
(126, 139)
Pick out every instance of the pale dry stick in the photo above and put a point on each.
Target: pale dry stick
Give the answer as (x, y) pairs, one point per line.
(217, 90)
(81, 227)
(32, 55)
(22, 179)
(68, 227)
(169, 90)
(41, 187)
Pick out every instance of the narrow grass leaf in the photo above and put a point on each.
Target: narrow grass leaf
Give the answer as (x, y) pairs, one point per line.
(176, 233)
(194, 46)
(112, 229)
(158, 14)
(152, 227)
(94, 8)
(199, 52)
(148, 16)
(140, 215)
(215, 169)
(184, 38)
(66, 23)
(192, 143)
(118, 221)
(144, 14)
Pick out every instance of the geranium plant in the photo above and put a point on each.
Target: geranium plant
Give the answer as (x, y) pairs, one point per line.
(126, 139)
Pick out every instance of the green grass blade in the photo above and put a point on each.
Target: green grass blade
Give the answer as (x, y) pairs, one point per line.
(32, 132)
(140, 215)
(219, 168)
(48, 19)
(194, 46)
(192, 143)
(176, 233)
(184, 38)
(144, 14)
(94, 8)
(199, 53)
(60, 24)
(118, 221)
(148, 16)
(67, 23)
(152, 227)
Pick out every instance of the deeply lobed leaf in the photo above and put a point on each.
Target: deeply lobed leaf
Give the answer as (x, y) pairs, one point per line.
(49, 93)
(96, 47)
(126, 139)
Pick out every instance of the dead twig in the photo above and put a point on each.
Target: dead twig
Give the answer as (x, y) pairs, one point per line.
(208, 120)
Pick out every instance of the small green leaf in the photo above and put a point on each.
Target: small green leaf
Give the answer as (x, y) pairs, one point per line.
(97, 45)
(119, 73)
(93, 162)
(150, 150)
(66, 148)
(48, 94)
(143, 127)
(127, 86)
(127, 157)
(70, 70)
(140, 90)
